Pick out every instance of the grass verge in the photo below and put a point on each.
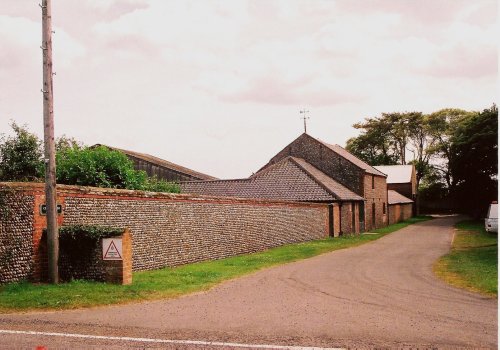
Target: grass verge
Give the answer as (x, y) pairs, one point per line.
(167, 282)
(473, 261)
(402, 224)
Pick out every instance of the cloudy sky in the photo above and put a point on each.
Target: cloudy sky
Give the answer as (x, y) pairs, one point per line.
(217, 86)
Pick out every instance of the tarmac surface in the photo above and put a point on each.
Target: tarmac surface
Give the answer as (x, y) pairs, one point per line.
(379, 295)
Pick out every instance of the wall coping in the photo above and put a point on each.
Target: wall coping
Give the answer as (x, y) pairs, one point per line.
(39, 187)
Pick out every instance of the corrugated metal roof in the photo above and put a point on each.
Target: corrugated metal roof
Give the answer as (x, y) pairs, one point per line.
(397, 174)
(162, 163)
(290, 179)
(394, 197)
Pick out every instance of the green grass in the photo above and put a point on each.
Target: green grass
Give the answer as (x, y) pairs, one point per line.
(473, 261)
(167, 282)
(402, 224)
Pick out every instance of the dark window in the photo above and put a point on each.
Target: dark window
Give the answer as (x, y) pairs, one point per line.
(373, 182)
(373, 215)
(383, 209)
(353, 209)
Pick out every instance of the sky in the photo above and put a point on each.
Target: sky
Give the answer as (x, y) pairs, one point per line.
(217, 86)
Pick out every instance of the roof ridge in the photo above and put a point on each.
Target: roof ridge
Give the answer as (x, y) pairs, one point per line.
(219, 180)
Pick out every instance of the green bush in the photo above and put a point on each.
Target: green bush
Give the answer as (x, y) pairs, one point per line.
(21, 156)
(104, 167)
(99, 166)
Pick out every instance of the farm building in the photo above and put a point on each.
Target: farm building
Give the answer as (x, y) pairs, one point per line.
(161, 168)
(402, 179)
(311, 170)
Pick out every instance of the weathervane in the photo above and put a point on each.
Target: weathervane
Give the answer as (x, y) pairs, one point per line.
(304, 111)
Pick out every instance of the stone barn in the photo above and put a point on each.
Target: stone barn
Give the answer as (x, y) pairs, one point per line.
(337, 176)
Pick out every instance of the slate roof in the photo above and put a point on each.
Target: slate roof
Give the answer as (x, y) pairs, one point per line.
(290, 179)
(397, 174)
(394, 197)
(162, 163)
(353, 159)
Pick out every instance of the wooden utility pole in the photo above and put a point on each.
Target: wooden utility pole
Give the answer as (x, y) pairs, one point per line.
(50, 158)
(304, 117)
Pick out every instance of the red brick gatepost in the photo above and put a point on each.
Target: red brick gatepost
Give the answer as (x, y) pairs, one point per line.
(120, 271)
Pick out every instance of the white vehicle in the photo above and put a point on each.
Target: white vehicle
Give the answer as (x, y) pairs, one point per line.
(491, 221)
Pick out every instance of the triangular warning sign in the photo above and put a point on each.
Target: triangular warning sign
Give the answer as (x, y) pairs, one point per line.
(112, 252)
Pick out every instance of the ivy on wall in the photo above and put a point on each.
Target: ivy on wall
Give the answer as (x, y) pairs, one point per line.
(79, 250)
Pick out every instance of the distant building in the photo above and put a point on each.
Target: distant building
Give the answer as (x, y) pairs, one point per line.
(400, 207)
(161, 168)
(402, 179)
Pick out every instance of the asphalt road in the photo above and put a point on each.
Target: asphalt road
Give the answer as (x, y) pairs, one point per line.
(381, 294)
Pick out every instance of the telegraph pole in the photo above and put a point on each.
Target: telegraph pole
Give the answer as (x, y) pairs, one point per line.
(304, 117)
(48, 136)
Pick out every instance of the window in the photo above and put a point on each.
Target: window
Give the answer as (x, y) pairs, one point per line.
(383, 209)
(373, 215)
(373, 182)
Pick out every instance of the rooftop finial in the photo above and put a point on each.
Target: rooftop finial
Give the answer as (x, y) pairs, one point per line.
(304, 111)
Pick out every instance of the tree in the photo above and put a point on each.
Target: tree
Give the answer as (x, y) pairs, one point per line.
(373, 144)
(21, 155)
(474, 160)
(442, 126)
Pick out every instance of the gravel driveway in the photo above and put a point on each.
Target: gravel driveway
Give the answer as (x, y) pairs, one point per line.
(381, 294)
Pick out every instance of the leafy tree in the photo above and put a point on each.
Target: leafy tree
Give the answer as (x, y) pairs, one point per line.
(474, 160)
(21, 155)
(442, 126)
(64, 142)
(373, 145)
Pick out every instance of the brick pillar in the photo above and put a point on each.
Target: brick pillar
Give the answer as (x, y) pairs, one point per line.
(120, 271)
(39, 254)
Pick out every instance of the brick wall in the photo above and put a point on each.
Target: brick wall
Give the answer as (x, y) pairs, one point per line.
(170, 229)
(16, 231)
(400, 212)
(377, 196)
(347, 210)
(325, 160)
(169, 232)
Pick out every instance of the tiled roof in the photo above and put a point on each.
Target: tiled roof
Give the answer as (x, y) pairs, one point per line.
(290, 179)
(353, 159)
(333, 186)
(394, 197)
(397, 174)
(163, 163)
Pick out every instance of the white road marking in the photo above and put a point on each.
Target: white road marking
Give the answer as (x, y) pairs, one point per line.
(166, 341)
